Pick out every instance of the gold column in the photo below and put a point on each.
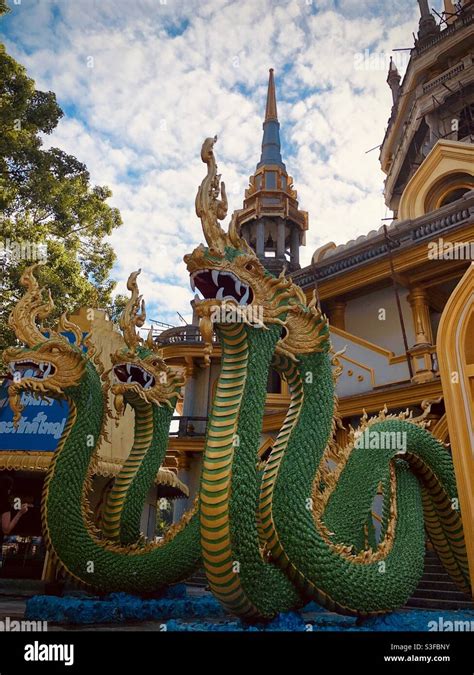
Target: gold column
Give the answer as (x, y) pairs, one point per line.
(422, 350)
(191, 368)
(342, 437)
(456, 365)
(337, 313)
(184, 461)
(418, 300)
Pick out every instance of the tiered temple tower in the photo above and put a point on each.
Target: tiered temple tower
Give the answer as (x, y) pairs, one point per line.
(270, 220)
(427, 150)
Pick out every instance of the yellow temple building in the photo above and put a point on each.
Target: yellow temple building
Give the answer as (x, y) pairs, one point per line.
(400, 299)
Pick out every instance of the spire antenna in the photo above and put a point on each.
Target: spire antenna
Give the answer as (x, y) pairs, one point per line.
(271, 108)
(271, 221)
(271, 149)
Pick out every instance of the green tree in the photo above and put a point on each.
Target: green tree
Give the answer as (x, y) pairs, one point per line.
(48, 207)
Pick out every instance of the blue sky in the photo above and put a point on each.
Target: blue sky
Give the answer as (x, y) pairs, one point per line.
(143, 83)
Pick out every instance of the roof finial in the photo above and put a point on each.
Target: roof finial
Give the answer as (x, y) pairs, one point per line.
(271, 151)
(393, 79)
(271, 109)
(424, 8)
(427, 24)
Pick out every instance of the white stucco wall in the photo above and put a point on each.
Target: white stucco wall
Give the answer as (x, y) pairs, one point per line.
(362, 319)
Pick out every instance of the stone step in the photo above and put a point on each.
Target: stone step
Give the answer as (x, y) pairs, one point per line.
(436, 589)
(425, 603)
(21, 587)
(440, 594)
(433, 577)
(439, 583)
(198, 579)
(434, 569)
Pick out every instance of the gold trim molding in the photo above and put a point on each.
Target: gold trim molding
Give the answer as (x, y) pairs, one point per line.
(107, 468)
(456, 364)
(445, 159)
(372, 402)
(406, 262)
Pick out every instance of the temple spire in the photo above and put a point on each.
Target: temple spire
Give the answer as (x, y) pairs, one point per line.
(271, 149)
(393, 79)
(271, 221)
(271, 109)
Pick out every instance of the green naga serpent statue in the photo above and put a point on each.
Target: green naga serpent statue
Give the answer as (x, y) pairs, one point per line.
(53, 367)
(273, 536)
(150, 387)
(302, 530)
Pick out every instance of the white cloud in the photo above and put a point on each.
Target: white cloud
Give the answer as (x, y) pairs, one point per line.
(165, 76)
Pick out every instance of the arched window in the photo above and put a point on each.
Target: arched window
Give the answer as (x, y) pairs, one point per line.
(453, 195)
(448, 189)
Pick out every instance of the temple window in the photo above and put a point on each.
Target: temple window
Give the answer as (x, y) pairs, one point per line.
(448, 189)
(270, 180)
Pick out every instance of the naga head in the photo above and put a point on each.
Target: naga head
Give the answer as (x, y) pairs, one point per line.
(139, 371)
(230, 276)
(45, 366)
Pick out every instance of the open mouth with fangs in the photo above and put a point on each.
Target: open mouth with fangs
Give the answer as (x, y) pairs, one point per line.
(35, 370)
(128, 373)
(221, 286)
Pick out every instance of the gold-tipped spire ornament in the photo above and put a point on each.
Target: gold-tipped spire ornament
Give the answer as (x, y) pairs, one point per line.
(134, 314)
(48, 365)
(211, 206)
(31, 307)
(161, 383)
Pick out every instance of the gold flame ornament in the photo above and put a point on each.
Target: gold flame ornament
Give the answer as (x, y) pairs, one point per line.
(55, 363)
(211, 206)
(134, 314)
(161, 383)
(31, 307)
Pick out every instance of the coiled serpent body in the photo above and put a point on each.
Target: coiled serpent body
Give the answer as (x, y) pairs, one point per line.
(82, 550)
(270, 537)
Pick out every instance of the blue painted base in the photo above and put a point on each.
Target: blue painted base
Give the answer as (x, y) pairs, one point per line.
(179, 612)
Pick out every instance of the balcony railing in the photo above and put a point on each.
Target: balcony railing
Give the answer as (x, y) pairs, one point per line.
(444, 77)
(464, 19)
(185, 426)
(406, 234)
(181, 334)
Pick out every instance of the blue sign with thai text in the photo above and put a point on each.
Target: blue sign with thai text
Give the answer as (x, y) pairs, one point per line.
(41, 425)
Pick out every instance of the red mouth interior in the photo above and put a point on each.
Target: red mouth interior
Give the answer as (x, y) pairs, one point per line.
(221, 286)
(128, 373)
(30, 369)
